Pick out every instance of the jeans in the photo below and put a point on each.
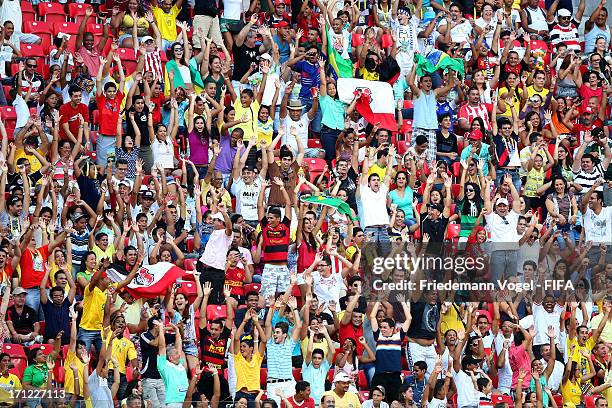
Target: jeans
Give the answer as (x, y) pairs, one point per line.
(122, 383)
(329, 137)
(379, 237)
(516, 178)
(153, 389)
(33, 300)
(104, 146)
(90, 337)
(503, 264)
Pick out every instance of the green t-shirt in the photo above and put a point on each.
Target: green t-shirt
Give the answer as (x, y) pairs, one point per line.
(175, 379)
(36, 375)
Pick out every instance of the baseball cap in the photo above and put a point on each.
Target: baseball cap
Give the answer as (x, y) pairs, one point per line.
(564, 13)
(501, 201)
(475, 135)
(218, 216)
(436, 207)
(279, 2)
(146, 38)
(265, 56)
(19, 291)
(77, 216)
(342, 377)
(280, 24)
(126, 182)
(588, 110)
(148, 194)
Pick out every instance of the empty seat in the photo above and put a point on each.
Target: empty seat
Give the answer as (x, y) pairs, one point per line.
(65, 27)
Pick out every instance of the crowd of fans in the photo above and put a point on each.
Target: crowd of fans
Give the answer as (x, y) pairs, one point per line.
(212, 136)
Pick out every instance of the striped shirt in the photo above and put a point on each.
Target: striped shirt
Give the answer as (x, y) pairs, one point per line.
(567, 35)
(153, 63)
(586, 180)
(389, 352)
(279, 358)
(80, 244)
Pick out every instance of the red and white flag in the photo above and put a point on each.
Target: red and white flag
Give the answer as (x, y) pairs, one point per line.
(150, 281)
(376, 103)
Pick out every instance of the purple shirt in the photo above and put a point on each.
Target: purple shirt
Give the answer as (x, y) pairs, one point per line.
(198, 148)
(226, 156)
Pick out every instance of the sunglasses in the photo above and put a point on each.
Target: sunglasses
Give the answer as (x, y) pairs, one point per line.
(178, 49)
(32, 65)
(469, 190)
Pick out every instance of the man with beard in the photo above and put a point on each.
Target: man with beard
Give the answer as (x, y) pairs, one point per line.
(566, 29)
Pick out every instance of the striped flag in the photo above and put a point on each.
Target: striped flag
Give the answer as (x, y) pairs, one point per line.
(150, 281)
(376, 103)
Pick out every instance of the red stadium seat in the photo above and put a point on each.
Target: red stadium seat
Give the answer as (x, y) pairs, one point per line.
(315, 166)
(96, 117)
(452, 231)
(456, 169)
(216, 312)
(46, 348)
(189, 289)
(37, 27)
(27, 12)
(45, 43)
(190, 243)
(248, 287)
(314, 143)
(589, 400)
(77, 9)
(190, 264)
(127, 54)
(93, 136)
(14, 350)
(263, 377)
(66, 28)
(297, 374)
(94, 28)
(455, 191)
(498, 399)
(558, 399)
(59, 373)
(8, 113)
(129, 373)
(52, 12)
(364, 396)
(32, 50)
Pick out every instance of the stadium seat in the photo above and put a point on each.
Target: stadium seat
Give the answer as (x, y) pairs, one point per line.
(37, 27)
(455, 191)
(263, 377)
(59, 373)
(27, 12)
(190, 290)
(46, 348)
(460, 145)
(129, 373)
(190, 264)
(66, 28)
(297, 374)
(52, 12)
(76, 10)
(128, 59)
(32, 50)
(452, 231)
(93, 137)
(456, 170)
(96, 117)
(248, 287)
(8, 113)
(498, 399)
(190, 244)
(214, 312)
(558, 399)
(14, 350)
(95, 28)
(364, 396)
(589, 400)
(314, 143)
(315, 166)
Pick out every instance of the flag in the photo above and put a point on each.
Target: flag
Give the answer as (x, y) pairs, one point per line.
(376, 103)
(436, 60)
(343, 67)
(333, 202)
(150, 281)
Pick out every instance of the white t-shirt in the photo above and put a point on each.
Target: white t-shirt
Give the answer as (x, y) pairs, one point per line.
(542, 319)
(598, 227)
(232, 9)
(246, 197)
(435, 403)
(538, 18)
(503, 229)
(302, 131)
(329, 288)
(460, 32)
(11, 11)
(407, 34)
(163, 153)
(21, 110)
(374, 205)
(466, 393)
(504, 374)
(554, 381)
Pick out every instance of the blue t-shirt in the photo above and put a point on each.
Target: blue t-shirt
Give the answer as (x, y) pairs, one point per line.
(57, 319)
(310, 76)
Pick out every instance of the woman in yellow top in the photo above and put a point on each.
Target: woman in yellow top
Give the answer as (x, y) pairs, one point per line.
(124, 21)
(573, 379)
(265, 120)
(87, 270)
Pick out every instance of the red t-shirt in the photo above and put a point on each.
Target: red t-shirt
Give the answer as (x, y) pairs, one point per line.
(69, 115)
(159, 102)
(348, 331)
(234, 277)
(32, 265)
(109, 113)
(580, 129)
(307, 403)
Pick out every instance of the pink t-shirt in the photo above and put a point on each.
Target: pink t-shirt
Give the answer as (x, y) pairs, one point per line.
(91, 59)
(198, 148)
(519, 359)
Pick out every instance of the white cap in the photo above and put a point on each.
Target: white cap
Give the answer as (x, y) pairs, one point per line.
(342, 377)
(146, 38)
(265, 56)
(501, 201)
(564, 13)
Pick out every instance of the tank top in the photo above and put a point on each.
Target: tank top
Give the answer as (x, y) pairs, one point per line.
(593, 35)
(425, 111)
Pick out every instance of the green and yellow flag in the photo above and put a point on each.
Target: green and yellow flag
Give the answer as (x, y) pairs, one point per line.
(333, 202)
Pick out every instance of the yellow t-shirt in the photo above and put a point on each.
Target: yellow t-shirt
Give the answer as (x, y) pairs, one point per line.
(142, 25)
(93, 309)
(166, 22)
(571, 392)
(535, 179)
(516, 101)
(381, 171)
(543, 93)
(264, 132)
(451, 321)
(323, 346)
(123, 350)
(249, 127)
(71, 358)
(577, 356)
(226, 199)
(109, 253)
(606, 333)
(35, 164)
(247, 372)
(54, 269)
(6, 384)
(350, 400)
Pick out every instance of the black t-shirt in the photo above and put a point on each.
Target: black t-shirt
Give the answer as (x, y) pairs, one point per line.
(424, 320)
(207, 7)
(22, 323)
(149, 354)
(58, 319)
(244, 57)
(90, 189)
(213, 351)
(350, 186)
(446, 144)
(142, 122)
(14, 179)
(362, 305)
